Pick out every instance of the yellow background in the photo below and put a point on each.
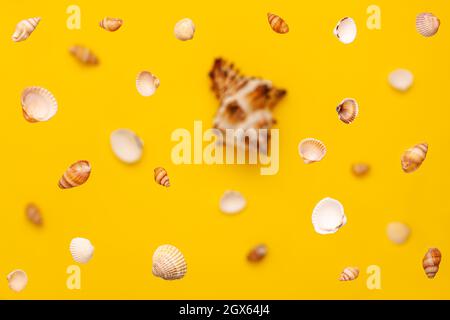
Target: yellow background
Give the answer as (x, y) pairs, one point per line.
(126, 215)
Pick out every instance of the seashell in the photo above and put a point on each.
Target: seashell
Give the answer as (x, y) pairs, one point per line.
(401, 79)
(398, 232)
(431, 262)
(232, 202)
(111, 24)
(412, 158)
(38, 104)
(349, 274)
(161, 177)
(311, 150)
(77, 174)
(126, 145)
(84, 55)
(360, 169)
(346, 30)
(257, 253)
(17, 280)
(33, 214)
(328, 216)
(24, 29)
(277, 23)
(347, 110)
(427, 24)
(146, 83)
(168, 263)
(81, 250)
(184, 29)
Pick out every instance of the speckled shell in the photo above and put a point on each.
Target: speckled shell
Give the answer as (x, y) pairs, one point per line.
(24, 29)
(349, 274)
(161, 177)
(413, 158)
(431, 262)
(76, 175)
(111, 24)
(277, 23)
(169, 263)
(427, 24)
(84, 55)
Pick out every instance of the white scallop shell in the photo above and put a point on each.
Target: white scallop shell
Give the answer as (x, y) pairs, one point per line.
(427, 24)
(146, 83)
(38, 104)
(328, 216)
(401, 79)
(81, 250)
(126, 145)
(346, 30)
(168, 263)
(17, 280)
(184, 29)
(232, 202)
(398, 232)
(311, 150)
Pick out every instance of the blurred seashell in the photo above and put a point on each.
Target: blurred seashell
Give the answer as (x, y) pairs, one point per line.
(277, 23)
(401, 79)
(347, 110)
(126, 145)
(161, 177)
(398, 232)
(431, 262)
(328, 216)
(24, 29)
(346, 30)
(360, 169)
(427, 24)
(17, 280)
(111, 24)
(349, 274)
(312, 150)
(38, 104)
(81, 250)
(257, 253)
(169, 263)
(84, 55)
(412, 158)
(77, 174)
(146, 83)
(232, 202)
(184, 29)
(33, 214)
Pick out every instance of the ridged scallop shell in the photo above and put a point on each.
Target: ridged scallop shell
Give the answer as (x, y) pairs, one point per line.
(111, 24)
(81, 250)
(328, 216)
(347, 110)
(232, 202)
(346, 30)
(360, 169)
(401, 79)
(413, 158)
(427, 24)
(33, 214)
(77, 174)
(169, 263)
(258, 253)
(24, 29)
(146, 83)
(349, 274)
(184, 29)
(398, 232)
(277, 23)
(311, 150)
(38, 104)
(17, 280)
(161, 177)
(126, 145)
(431, 262)
(84, 55)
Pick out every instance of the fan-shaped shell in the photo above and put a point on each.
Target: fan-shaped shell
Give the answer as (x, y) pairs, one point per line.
(347, 110)
(346, 30)
(169, 263)
(401, 79)
(17, 280)
(312, 150)
(24, 29)
(349, 274)
(277, 23)
(258, 253)
(38, 104)
(413, 158)
(146, 83)
(111, 24)
(81, 250)
(328, 216)
(161, 177)
(232, 202)
(398, 232)
(427, 24)
(126, 145)
(431, 262)
(184, 29)
(77, 174)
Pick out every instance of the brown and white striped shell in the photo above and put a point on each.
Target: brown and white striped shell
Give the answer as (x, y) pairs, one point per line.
(427, 24)
(347, 110)
(161, 177)
(431, 262)
(412, 158)
(277, 23)
(24, 29)
(84, 55)
(169, 263)
(349, 274)
(111, 24)
(76, 175)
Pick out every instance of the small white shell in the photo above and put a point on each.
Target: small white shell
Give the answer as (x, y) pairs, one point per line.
(328, 216)
(184, 29)
(81, 250)
(146, 83)
(38, 104)
(401, 79)
(232, 202)
(168, 263)
(346, 30)
(427, 24)
(126, 145)
(25, 28)
(311, 150)
(398, 232)
(17, 280)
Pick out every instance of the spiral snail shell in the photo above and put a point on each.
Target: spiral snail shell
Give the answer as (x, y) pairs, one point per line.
(24, 29)
(431, 262)
(277, 23)
(161, 177)
(76, 175)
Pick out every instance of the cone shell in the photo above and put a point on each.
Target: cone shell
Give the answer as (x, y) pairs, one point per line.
(398, 232)
(349, 274)
(146, 83)
(412, 158)
(360, 169)
(184, 29)
(17, 280)
(346, 30)
(81, 250)
(161, 177)
(401, 79)
(126, 145)
(169, 263)
(311, 150)
(84, 55)
(258, 253)
(277, 23)
(431, 262)
(77, 174)
(232, 202)
(38, 104)
(427, 24)
(24, 29)
(111, 24)
(347, 110)
(33, 214)
(328, 216)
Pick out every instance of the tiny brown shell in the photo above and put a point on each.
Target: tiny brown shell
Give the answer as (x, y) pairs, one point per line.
(360, 169)
(277, 23)
(76, 175)
(33, 214)
(413, 157)
(84, 55)
(349, 274)
(258, 253)
(161, 177)
(111, 24)
(431, 262)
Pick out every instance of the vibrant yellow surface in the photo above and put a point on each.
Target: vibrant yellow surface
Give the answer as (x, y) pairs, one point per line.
(126, 215)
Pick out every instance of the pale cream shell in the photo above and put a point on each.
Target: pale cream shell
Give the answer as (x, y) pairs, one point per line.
(126, 145)
(25, 28)
(398, 232)
(311, 150)
(401, 79)
(427, 24)
(38, 104)
(168, 263)
(346, 30)
(81, 250)
(232, 202)
(328, 216)
(146, 83)
(17, 280)
(349, 274)
(184, 29)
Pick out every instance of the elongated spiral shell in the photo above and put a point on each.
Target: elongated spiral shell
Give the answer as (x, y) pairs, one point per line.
(347, 110)
(77, 174)
(412, 158)
(169, 263)
(431, 262)
(258, 253)
(349, 274)
(161, 177)
(111, 24)
(84, 55)
(277, 23)
(33, 214)
(24, 29)
(427, 24)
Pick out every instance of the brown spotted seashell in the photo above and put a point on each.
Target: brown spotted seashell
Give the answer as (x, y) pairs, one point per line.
(431, 262)
(161, 177)
(111, 24)
(77, 174)
(33, 214)
(277, 23)
(347, 110)
(84, 55)
(257, 253)
(427, 24)
(412, 158)
(24, 29)
(360, 169)
(349, 274)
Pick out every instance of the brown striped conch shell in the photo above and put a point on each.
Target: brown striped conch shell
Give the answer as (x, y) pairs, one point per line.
(311, 150)
(161, 177)
(33, 214)
(184, 29)
(412, 158)
(81, 250)
(146, 83)
(38, 104)
(257, 253)
(328, 216)
(349, 274)
(111, 24)
(126, 145)
(84, 55)
(77, 174)
(232, 202)
(24, 29)
(427, 24)
(347, 110)
(431, 262)
(346, 30)
(277, 23)
(169, 263)
(401, 79)
(398, 232)
(360, 169)
(17, 280)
